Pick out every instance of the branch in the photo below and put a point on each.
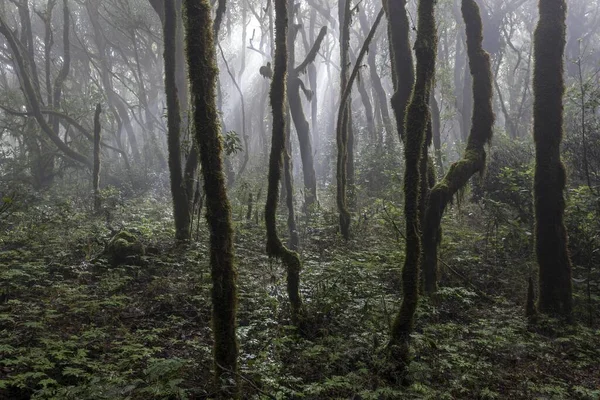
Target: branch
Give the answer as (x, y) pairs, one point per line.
(34, 102)
(70, 120)
(365, 47)
(312, 54)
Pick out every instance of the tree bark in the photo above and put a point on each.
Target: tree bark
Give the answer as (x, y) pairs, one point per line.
(474, 158)
(402, 63)
(417, 119)
(275, 247)
(181, 211)
(555, 295)
(201, 58)
(96, 172)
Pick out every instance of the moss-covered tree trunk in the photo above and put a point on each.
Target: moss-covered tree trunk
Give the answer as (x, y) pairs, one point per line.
(417, 119)
(555, 295)
(181, 210)
(403, 74)
(275, 247)
(96, 171)
(474, 158)
(202, 67)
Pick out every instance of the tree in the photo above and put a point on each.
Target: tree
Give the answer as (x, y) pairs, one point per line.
(402, 61)
(417, 119)
(181, 209)
(96, 171)
(29, 79)
(275, 248)
(201, 58)
(555, 296)
(474, 158)
(294, 83)
(343, 132)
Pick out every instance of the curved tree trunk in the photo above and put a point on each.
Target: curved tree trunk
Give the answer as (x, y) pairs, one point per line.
(380, 97)
(402, 62)
(303, 132)
(275, 247)
(417, 119)
(474, 158)
(550, 178)
(295, 84)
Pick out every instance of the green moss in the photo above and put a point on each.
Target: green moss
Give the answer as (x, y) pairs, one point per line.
(124, 246)
(417, 119)
(474, 158)
(555, 295)
(403, 74)
(201, 56)
(275, 247)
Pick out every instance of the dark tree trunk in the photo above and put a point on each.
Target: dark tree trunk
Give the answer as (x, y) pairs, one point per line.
(474, 158)
(555, 295)
(201, 57)
(295, 84)
(343, 122)
(380, 96)
(366, 102)
(417, 119)
(402, 62)
(275, 247)
(179, 193)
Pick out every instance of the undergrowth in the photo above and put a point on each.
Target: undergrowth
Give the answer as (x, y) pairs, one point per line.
(75, 326)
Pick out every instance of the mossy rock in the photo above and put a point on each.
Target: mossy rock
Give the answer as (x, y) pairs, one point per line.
(125, 247)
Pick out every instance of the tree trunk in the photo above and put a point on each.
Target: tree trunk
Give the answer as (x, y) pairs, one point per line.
(555, 295)
(275, 247)
(201, 57)
(96, 172)
(342, 127)
(402, 63)
(436, 132)
(181, 207)
(380, 98)
(474, 157)
(417, 118)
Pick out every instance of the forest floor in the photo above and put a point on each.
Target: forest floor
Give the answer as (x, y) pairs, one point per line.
(73, 326)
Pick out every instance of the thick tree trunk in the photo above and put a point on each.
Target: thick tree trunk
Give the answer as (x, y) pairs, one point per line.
(417, 119)
(550, 178)
(303, 132)
(474, 157)
(402, 62)
(201, 57)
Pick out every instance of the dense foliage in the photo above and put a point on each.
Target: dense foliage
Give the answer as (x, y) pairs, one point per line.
(104, 296)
